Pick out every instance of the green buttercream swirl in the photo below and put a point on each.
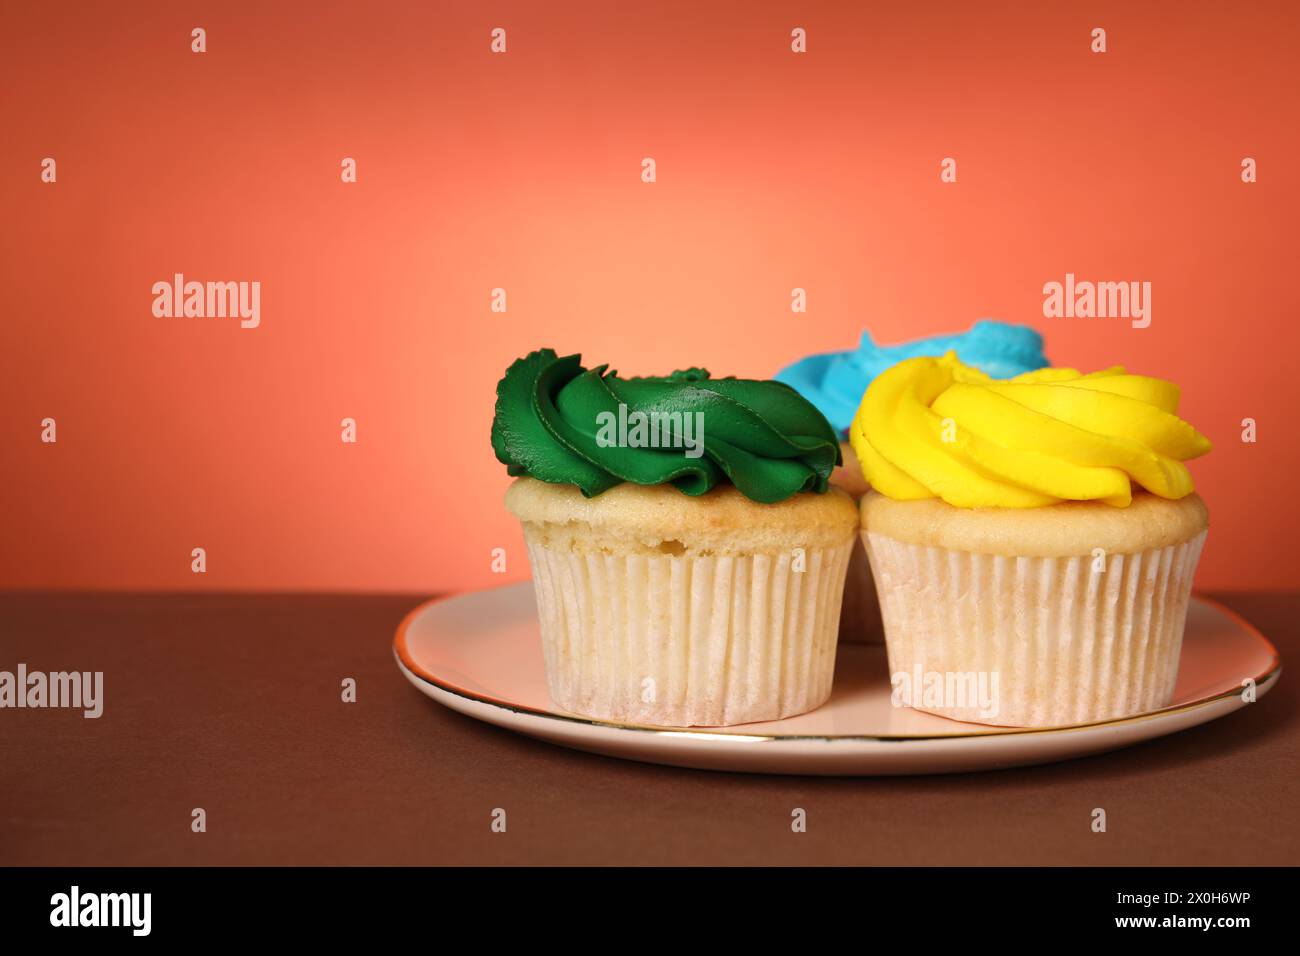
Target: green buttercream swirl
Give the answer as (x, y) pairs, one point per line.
(763, 437)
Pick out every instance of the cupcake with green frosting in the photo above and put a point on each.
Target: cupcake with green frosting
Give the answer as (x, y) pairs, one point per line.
(688, 551)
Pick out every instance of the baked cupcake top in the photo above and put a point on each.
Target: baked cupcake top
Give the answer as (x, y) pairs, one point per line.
(565, 424)
(836, 381)
(937, 428)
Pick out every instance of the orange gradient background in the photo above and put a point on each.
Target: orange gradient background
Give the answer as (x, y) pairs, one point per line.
(522, 171)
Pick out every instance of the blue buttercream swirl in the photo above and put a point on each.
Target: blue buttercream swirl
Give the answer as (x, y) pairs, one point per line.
(836, 381)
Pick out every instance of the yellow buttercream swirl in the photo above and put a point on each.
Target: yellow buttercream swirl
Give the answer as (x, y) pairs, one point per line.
(933, 427)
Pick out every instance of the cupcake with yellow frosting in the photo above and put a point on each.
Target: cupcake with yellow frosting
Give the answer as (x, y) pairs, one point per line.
(836, 381)
(688, 551)
(1033, 540)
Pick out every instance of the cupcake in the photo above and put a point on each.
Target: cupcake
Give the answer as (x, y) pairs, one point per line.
(836, 381)
(688, 551)
(1033, 540)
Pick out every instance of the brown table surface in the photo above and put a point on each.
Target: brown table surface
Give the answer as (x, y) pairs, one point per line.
(232, 703)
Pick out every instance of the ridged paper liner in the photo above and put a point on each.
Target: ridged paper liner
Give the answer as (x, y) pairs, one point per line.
(1067, 644)
(681, 640)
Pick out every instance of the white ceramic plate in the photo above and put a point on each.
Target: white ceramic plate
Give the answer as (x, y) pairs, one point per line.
(481, 654)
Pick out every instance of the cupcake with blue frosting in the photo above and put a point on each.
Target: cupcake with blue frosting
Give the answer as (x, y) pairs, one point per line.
(835, 383)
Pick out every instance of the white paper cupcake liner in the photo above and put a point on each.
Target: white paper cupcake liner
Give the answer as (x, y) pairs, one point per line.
(682, 640)
(1054, 641)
